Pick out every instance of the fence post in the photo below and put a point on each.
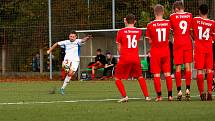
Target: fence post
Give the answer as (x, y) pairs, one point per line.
(50, 37)
(113, 14)
(41, 60)
(3, 59)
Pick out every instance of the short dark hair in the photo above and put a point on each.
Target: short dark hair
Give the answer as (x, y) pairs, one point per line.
(178, 4)
(158, 9)
(130, 18)
(203, 8)
(73, 32)
(99, 50)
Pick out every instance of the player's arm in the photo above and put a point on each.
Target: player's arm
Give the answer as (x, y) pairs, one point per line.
(119, 47)
(88, 37)
(52, 48)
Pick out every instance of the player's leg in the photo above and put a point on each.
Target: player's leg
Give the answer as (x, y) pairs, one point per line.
(200, 83)
(157, 86)
(93, 71)
(73, 68)
(169, 85)
(119, 74)
(155, 63)
(166, 68)
(200, 65)
(209, 66)
(178, 60)
(209, 84)
(188, 55)
(142, 83)
(178, 81)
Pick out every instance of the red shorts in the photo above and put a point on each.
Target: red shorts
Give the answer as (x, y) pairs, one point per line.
(203, 60)
(182, 56)
(160, 61)
(125, 69)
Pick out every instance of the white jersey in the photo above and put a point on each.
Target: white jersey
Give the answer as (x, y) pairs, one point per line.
(72, 49)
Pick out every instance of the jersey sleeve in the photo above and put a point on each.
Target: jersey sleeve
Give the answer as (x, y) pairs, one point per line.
(213, 34)
(147, 32)
(118, 37)
(79, 41)
(62, 43)
(171, 19)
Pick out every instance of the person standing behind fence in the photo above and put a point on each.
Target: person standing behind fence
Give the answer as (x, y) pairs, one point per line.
(72, 57)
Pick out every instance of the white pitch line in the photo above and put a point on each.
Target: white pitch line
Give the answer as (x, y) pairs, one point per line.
(72, 101)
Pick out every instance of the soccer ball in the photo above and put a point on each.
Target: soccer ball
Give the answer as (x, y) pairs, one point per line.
(66, 66)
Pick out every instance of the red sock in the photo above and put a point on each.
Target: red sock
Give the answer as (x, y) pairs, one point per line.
(178, 79)
(157, 84)
(93, 76)
(169, 83)
(143, 86)
(188, 79)
(210, 81)
(120, 87)
(200, 83)
(63, 74)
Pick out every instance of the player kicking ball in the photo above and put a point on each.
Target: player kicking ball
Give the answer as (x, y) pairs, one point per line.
(129, 62)
(72, 56)
(204, 30)
(158, 35)
(182, 47)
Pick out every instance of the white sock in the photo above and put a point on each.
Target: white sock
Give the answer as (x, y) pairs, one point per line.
(66, 82)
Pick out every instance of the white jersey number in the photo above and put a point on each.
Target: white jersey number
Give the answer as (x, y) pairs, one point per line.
(204, 34)
(132, 42)
(160, 31)
(183, 26)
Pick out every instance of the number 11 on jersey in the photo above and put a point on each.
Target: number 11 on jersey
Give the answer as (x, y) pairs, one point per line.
(161, 33)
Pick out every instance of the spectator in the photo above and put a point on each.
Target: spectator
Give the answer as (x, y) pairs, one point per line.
(36, 63)
(110, 64)
(100, 61)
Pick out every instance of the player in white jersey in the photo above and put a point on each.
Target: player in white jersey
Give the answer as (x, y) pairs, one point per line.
(72, 57)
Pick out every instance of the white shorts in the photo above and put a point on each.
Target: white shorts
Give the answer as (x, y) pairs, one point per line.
(70, 65)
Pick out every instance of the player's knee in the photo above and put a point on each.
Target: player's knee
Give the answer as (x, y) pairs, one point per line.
(156, 75)
(178, 68)
(70, 74)
(167, 74)
(187, 66)
(199, 71)
(209, 71)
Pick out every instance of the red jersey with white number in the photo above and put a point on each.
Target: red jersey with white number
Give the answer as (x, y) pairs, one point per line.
(158, 32)
(204, 30)
(128, 38)
(181, 24)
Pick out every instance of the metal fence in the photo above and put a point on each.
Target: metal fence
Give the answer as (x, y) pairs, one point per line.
(24, 28)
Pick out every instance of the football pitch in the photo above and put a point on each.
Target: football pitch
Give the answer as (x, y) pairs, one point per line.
(96, 101)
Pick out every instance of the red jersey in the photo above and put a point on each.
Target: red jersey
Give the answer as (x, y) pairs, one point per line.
(181, 24)
(158, 31)
(204, 30)
(129, 38)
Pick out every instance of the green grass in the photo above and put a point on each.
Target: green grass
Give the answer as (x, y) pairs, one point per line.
(134, 110)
